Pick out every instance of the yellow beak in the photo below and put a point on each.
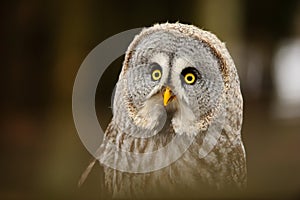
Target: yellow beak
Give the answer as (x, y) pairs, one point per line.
(168, 96)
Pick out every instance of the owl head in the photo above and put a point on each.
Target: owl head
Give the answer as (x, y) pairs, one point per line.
(173, 71)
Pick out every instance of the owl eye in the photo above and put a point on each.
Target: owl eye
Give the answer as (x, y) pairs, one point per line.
(189, 75)
(189, 78)
(156, 72)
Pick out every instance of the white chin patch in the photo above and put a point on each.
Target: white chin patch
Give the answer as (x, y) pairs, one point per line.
(152, 116)
(184, 121)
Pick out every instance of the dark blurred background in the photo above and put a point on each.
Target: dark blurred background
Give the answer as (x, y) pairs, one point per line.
(43, 43)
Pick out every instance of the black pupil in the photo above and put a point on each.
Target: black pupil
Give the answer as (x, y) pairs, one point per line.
(189, 75)
(155, 71)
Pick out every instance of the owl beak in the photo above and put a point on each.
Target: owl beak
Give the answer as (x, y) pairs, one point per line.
(168, 96)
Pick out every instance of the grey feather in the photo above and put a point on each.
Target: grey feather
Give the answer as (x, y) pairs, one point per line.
(210, 110)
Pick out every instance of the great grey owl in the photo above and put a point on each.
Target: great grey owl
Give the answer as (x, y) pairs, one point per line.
(177, 117)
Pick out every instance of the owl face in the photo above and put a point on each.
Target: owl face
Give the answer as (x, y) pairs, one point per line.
(168, 71)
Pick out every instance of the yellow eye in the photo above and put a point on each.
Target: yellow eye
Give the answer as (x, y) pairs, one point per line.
(156, 74)
(189, 78)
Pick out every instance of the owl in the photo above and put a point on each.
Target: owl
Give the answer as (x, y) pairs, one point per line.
(177, 117)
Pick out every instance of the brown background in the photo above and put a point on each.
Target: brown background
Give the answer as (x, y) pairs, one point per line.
(43, 43)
